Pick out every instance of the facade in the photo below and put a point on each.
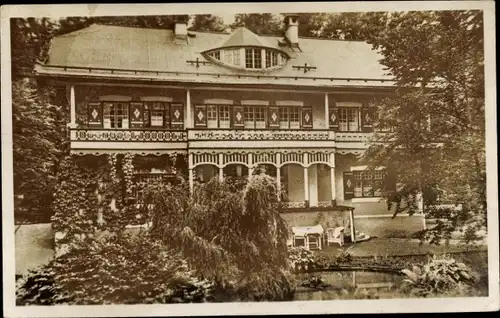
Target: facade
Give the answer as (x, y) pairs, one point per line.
(229, 105)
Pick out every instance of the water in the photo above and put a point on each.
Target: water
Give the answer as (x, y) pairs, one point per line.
(351, 285)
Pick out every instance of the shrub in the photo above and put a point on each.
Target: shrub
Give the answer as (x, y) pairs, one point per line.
(343, 258)
(439, 276)
(120, 269)
(316, 282)
(301, 258)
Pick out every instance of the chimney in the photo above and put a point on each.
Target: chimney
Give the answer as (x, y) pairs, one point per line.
(292, 29)
(180, 29)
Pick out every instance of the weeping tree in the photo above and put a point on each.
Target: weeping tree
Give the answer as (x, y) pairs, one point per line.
(234, 237)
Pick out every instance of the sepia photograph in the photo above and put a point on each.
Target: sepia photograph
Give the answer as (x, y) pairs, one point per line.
(255, 155)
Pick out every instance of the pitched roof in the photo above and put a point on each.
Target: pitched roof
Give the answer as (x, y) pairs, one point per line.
(157, 50)
(243, 37)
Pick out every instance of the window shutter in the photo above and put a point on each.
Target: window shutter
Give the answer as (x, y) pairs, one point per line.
(307, 119)
(95, 114)
(200, 116)
(238, 117)
(333, 113)
(274, 117)
(367, 114)
(348, 185)
(177, 116)
(136, 115)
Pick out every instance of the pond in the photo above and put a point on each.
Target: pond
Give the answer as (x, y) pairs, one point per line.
(351, 285)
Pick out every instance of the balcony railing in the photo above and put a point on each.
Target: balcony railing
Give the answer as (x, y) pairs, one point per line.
(132, 135)
(157, 135)
(259, 134)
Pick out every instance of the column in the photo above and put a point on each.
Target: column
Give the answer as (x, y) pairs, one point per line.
(313, 185)
(306, 180)
(190, 166)
(250, 165)
(72, 104)
(189, 117)
(327, 116)
(278, 175)
(332, 179)
(221, 169)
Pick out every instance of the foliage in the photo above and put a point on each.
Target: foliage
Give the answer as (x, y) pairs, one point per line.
(118, 269)
(438, 276)
(316, 282)
(259, 23)
(436, 145)
(75, 199)
(235, 237)
(207, 22)
(301, 258)
(37, 145)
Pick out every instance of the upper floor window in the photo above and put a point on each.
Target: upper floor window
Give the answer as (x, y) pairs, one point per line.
(249, 58)
(115, 115)
(255, 117)
(289, 117)
(349, 119)
(218, 116)
(125, 115)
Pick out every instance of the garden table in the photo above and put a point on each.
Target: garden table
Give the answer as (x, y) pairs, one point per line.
(312, 236)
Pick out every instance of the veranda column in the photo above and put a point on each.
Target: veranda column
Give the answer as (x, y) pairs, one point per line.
(189, 118)
(332, 179)
(250, 165)
(306, 180)
(190, 166)
(221, 169)
(327, 116)
(72, 104)
(278, 175)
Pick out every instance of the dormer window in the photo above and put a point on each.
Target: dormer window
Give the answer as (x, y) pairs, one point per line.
(215, 55)
(252, 58)
(245, 50)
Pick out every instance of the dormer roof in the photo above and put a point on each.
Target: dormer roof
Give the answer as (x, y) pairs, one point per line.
(244, 37)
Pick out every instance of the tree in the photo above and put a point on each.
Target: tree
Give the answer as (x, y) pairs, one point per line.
(259, 23)
(36, 148)
(437, 111)
(234, 237)
(207, 22)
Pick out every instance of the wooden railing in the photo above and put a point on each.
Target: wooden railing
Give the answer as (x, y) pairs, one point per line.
(260, 134)
(133, 135)
(159, 135)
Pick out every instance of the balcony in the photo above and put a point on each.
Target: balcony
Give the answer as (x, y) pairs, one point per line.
(85, 139)
(144, 139)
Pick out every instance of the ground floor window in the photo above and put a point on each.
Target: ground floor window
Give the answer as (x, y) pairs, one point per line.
(368, 183)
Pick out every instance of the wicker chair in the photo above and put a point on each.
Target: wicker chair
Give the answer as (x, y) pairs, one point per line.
(335, 235)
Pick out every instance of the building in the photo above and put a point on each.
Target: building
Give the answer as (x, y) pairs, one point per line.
(228, 104)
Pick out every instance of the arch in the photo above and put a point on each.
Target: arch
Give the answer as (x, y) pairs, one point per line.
(205, 172)
(205, 164)
(236, 170)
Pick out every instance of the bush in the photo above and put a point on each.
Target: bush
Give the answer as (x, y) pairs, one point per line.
(439, 276)
(301, 258)
(120, 269)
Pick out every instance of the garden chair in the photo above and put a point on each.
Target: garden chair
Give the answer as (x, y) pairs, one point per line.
(335, 235)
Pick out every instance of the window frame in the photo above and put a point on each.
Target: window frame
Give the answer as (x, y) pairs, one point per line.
(297, 111)
(347, 110)
(114, 104)
(367, 179)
